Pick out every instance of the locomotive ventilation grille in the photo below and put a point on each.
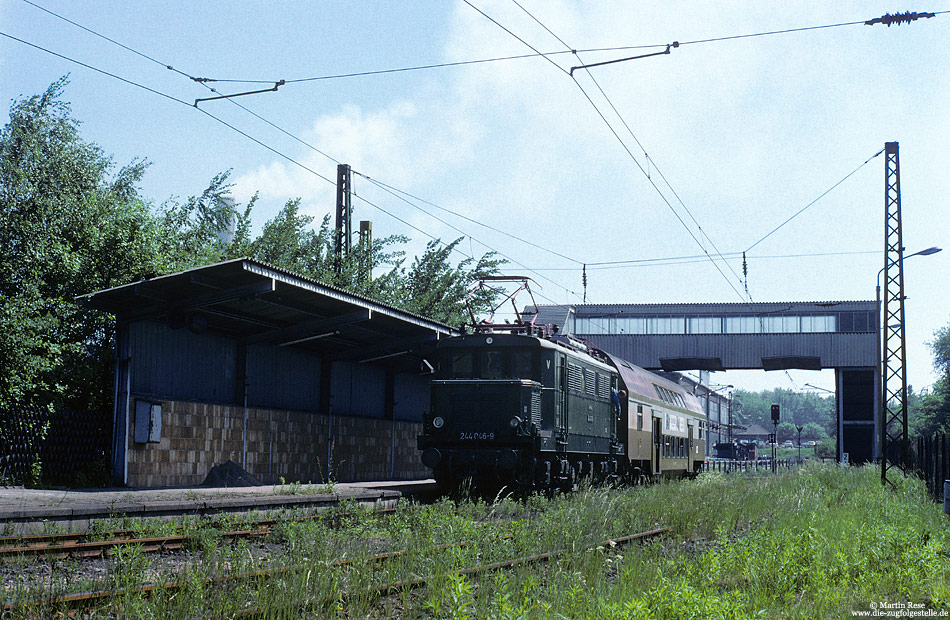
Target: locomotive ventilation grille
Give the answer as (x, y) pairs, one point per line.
(536, 407)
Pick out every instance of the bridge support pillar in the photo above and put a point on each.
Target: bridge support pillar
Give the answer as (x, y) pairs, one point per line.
(857, 397)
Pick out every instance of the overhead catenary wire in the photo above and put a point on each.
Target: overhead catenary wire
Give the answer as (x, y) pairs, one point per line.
(612, 131)
(537, 53)
(630, 131)
(283, 156)
(701, 258)
(822, 195)
(387, 188)
(461, 63)
(398, 193)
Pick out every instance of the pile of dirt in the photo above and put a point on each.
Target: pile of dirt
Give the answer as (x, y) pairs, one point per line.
(230, 474)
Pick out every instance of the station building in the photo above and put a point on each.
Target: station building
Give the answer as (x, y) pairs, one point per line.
(288, 377)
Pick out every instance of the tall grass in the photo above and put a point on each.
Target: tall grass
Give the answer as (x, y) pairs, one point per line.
(816, 542)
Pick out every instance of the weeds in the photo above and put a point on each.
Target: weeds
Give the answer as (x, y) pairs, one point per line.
(298, 488)
(815, 542)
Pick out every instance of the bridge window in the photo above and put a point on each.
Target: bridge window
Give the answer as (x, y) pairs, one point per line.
(858, 321)
(666, 325)
(743, 325)
(781, 324)
(705, 325)
(818, 324)
(628, 325)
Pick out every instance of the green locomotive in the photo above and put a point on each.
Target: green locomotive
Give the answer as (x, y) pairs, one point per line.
(539, 411)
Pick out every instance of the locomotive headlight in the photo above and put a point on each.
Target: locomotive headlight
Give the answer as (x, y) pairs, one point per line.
(438, 422)
(514, 422)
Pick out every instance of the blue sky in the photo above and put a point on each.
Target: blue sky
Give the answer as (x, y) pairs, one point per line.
(740, 134)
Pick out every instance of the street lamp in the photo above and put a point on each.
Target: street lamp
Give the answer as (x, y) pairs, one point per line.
(729, 413)
(882, 370)
(833, 393)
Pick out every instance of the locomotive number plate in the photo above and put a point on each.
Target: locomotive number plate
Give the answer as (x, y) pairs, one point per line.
(471, 436)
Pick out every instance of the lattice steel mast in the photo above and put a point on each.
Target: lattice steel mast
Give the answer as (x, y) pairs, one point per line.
(344, 214)
(894, 445)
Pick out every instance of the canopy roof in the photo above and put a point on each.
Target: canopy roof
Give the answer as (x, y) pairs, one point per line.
(256, 303)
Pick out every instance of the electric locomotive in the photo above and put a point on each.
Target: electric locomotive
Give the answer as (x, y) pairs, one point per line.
(533, 409)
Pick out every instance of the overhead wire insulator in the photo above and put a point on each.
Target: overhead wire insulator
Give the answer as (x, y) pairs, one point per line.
(584, 279)
(897, 18)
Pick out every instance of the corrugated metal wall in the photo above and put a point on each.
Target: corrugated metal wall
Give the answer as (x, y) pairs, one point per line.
(357, 389)
(176, 363)
(180, 365)
(282, 378)
(411, 397)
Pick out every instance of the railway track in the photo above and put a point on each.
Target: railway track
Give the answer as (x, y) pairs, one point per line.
(75, 603)
(79, 545)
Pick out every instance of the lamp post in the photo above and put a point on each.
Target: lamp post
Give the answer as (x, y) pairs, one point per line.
(833, 393)
(882, 370)
(710, 392)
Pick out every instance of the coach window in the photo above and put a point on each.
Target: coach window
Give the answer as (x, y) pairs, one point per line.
(639, 417)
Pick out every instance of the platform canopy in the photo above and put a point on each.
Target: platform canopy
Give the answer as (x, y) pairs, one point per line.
(255, 303)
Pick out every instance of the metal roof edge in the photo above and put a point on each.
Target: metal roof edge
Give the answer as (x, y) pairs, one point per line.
(288, 277)
(157, 278)
(826, 303)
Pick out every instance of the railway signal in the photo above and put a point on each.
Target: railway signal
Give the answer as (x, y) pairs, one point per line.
(775, 417)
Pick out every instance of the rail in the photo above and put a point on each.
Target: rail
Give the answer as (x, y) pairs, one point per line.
(79, 545)
(81, 601)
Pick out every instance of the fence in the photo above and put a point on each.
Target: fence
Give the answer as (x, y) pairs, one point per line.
(932, 462)
(74, 450)
(728, 466)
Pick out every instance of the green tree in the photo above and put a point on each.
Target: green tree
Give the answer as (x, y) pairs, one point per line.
(813, 431)
(787, 430)
(68, 226)
(71, 224)
(437, 289)
(796, 408)
(930, 413)
(940, 349)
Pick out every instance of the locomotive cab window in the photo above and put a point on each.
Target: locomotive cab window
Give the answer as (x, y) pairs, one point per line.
(458, 365)
(522, 365)
(493, 365)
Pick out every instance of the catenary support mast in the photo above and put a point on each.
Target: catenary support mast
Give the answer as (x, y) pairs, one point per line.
(894, 443)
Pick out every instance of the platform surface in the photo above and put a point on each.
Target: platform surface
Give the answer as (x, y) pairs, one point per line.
(73, 507)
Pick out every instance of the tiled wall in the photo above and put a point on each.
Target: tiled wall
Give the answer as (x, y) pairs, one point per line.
(291, 445)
